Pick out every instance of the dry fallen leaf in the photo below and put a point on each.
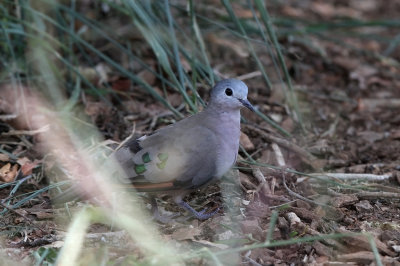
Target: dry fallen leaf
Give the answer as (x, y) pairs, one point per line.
(241, 12)
(362, 73)
(238, 49)
(211, 244)
(4, 157)
(8, 173)
(246, 142)
(122, 84)
(186, 233)
(147, 76)
(45, 214)
(252, 227)
(27, 165)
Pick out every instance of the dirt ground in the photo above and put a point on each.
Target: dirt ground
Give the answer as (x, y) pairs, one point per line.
(348, 88)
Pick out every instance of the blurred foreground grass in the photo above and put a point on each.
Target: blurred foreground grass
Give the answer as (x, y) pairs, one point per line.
(56, 48)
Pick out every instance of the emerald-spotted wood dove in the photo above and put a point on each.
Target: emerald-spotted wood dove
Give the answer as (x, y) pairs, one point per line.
(190, 153)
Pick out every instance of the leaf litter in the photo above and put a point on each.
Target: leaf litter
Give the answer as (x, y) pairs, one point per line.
(350, 103)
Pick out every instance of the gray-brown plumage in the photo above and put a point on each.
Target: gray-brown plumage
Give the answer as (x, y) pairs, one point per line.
(190, 153)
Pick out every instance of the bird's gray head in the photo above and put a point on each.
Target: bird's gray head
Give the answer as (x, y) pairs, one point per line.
(230, 94)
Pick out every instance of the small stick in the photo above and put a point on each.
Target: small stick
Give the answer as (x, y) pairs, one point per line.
(273, 183)
(249, 75)
(370, 104)
(305, 155)
(380, 194)
(258, 175)
(278, 155)
(294, 194)
(347, 176)
(29, 220)
(26, 132)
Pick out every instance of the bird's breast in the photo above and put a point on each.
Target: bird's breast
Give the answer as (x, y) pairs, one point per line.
(228, 132)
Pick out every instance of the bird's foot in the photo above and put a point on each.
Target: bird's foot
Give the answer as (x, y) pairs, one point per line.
(161, 218)
(164, 219)
(201, 215)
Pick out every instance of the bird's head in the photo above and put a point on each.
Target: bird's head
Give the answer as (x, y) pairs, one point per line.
(230, 94)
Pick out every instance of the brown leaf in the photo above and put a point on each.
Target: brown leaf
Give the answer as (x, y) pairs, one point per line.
(41, 215)
(4, 157)
(288, 124)
(364, 258)
(323, 9)
(246, 142)
(292, 12)
(362, 73)
(344, 200)
(258, 209)
(147, 76)
(121, 84)
(395, 134)
(175, 99)
(371, 104)
(239, 50)
(97, 75)
(186, 233)
(27, 165)
(252, 227)
(89, 73)
(95, 109)
(371, 136)
(359, 242)
(322, 250)
(327, 10)
(211, 244)
(241, 12)
(348, 63)
(23, 160)
(364, 206)
(8, 173)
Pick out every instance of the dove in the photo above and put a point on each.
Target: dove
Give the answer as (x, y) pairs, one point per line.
(189, 154)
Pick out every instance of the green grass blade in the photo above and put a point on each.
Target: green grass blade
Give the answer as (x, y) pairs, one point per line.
(290, 96)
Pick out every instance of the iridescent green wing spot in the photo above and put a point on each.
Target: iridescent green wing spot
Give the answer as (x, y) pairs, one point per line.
(146, 158)
(163, 158)
(140, 168)
(161, 165)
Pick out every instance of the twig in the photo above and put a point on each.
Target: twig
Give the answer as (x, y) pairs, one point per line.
(16, 186)
(273, 183)
(250, 260)
(288, 203)
(258, 175)
(305, 155)
(297, 225)
(379, 187)
(278, 155)
(29, 220)
(346, 176)
(26, 132)
(294, 194)
(380, 194)
(128, 138)
(8, 117)
(378, 103)
(250, 75)
(293, 218)
(331, 192)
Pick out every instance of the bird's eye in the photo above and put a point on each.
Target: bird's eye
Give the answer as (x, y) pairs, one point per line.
(228, 91)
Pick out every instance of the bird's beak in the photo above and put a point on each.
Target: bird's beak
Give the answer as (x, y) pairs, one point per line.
(247, 104)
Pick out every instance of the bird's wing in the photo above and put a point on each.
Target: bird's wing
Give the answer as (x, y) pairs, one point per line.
(174, 157)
